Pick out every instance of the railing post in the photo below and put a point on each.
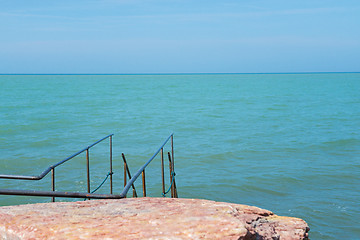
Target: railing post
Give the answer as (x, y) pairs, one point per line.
(53, 182)
(171, 176)
(144, 185)
(125, 167)
(111, 172)
(88, 170)
(173, 164)
(172, 152)
(162, 170)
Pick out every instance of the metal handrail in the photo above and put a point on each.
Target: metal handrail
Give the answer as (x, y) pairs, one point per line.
(46, 171)
(142, 169)
(58, 194)
(89, 195)
(52, 169)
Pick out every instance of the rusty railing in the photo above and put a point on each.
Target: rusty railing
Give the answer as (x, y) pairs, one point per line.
(89, 194)
(141, 171)
(51, 169)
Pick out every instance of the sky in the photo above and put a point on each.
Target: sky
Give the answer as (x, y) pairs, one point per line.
(179, 36)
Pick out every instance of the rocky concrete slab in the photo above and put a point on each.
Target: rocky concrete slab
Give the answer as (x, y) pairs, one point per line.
(146, 218)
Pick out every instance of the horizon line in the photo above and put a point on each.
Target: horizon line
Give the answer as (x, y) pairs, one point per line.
(171, 73)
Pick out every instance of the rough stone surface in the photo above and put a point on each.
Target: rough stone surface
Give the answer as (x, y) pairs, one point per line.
(146, 218)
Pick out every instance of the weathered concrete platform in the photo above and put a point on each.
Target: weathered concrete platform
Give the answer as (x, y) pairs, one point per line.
(146, 218)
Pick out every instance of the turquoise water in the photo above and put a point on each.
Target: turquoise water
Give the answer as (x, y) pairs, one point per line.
(289, 143)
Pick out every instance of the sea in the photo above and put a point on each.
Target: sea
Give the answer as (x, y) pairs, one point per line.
(289, 143)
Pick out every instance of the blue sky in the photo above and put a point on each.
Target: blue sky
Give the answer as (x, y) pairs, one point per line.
(179, 36)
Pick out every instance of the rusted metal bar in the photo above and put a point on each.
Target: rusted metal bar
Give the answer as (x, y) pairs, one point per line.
(111, 172)
(58, 194)
(172, 178)
(126, 169)
(176, 193)
(53, 183)
(172, 152)
(171, 175)
(144, 184)
(162, 171)
(88, 170)
(175, 189)
(173, 163)
(125, 166)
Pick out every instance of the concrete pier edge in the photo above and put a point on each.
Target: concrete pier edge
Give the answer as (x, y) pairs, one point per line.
(147, 218)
